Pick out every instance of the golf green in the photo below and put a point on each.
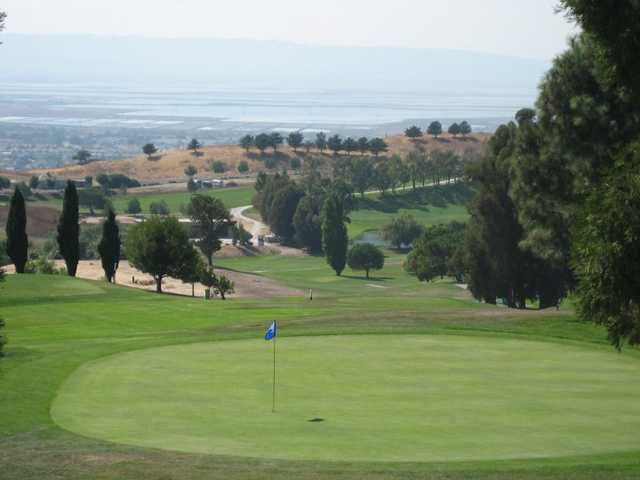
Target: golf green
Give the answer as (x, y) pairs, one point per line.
(362, 398)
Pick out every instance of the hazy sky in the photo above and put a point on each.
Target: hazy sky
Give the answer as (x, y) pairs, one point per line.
(528, 28)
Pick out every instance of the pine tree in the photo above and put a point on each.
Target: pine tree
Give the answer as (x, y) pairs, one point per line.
(109, 246)
(69, 229)
(17, 241)
(334, 234)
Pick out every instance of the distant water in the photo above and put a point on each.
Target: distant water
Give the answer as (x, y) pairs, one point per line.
(84, 105)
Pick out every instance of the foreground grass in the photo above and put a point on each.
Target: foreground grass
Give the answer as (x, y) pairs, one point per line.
(57, 324)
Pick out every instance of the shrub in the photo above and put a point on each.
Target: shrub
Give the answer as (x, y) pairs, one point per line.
(270, 163)
(296, 163)
(218, 166)
(159, 208)
(243, 166)
(134, 206)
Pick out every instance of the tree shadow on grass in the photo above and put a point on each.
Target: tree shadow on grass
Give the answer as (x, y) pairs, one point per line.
(439, 196)
(370, 279)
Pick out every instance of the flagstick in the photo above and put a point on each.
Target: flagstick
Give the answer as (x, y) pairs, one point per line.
(273, 407)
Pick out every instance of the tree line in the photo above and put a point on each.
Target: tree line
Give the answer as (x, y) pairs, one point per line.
(435, 130)
(557, 208)
(159, 247)
(321, 143)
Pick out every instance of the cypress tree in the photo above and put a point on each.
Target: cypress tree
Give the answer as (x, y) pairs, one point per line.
(109, 246)
(17, 241)
(334, 234)
(69, 229)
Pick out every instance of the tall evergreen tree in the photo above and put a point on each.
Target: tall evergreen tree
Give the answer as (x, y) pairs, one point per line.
(335, 241)
(69, 229)
(17, 240)
(109, 246)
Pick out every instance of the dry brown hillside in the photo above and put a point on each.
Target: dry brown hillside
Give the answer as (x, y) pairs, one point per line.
(170, 165)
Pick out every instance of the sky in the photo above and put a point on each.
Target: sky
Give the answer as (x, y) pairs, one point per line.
(523, 28)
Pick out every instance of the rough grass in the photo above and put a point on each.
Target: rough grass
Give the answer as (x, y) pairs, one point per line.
(56, 325)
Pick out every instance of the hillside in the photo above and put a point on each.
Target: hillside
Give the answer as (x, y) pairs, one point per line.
(169, 165)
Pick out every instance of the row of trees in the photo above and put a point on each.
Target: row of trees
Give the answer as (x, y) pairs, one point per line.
(159, 246)
(557, 207)
(435, 130)
(296, 141)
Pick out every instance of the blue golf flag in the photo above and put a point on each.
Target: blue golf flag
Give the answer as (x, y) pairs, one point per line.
(271, 332)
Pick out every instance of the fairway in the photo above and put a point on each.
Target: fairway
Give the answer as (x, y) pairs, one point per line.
(421, 398)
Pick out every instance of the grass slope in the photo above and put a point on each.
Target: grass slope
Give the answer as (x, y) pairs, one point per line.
(429, 206)
(58, 326)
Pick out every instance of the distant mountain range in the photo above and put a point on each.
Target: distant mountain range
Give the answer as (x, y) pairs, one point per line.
(257, 64)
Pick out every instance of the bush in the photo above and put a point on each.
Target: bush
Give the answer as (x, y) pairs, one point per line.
(219, 167)
(43, 266)
(159, 208)
(243, 166)
(270, 163)
(365, 256)
(296, 163)
(134, 207)
(117, 180)
(402, 231)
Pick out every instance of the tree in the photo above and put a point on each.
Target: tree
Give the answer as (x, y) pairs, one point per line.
(159, 208)
(413, 132)
(295, 140)
(465, 128)
(5, 182)
(190, 171)
(321, 141)
(17, 240)
(365, 256)
(247, 142)
(606, 256)
(161, 248)
(363, 145)
(454, 129)
(361, 174)
(377, 146)
(402, 231)
(82, 157)
(211, 219)
(208, 277)
(334, 234)
(262, 142)
(240, 236)
(134, 206)
(434, 252)
(149, 149)
(350, 145)
(276, 141)
(69, 229)
(435, 129)
(219, 166)
(194, 145)
(109, 246)
(192, 185)
(283, 208)
(307, 223)
(335, 144)
(3, 18)
(243, 166)
(34, 181)
(223, 286)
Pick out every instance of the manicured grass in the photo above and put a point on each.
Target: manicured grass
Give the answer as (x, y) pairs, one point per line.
(232, 197)
(416, 398)
(429, 206)
(59, 327)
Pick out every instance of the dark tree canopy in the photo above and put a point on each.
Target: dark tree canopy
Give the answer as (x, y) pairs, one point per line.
(194, 145)
(109, 246)
(307, 223)
(295, 140)
(82, 157)
(211, 219)
(17, 240)
(69, 229)
(262, 142)
(413, 132)
(435, 129)
(334, 234)
(365, 256)
(402, 231)
(160, 247)
(377, 146)
(433, 253)
(247, 142)
(149, 149)
(283, 208)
